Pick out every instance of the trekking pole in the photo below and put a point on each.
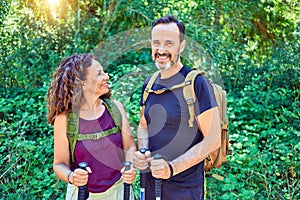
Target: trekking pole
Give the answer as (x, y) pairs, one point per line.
(158, 181)
(127, 165)
(142, 178)
(83, 192)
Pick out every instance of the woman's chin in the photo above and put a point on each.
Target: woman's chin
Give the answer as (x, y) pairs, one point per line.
(102, 92)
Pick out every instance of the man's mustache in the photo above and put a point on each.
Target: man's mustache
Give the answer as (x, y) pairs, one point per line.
(163, 54)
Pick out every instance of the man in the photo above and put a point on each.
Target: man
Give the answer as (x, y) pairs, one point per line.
(164, 126)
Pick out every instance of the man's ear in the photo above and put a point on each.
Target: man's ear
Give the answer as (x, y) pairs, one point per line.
(182, 46)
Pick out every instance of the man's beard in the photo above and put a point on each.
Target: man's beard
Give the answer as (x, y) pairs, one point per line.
(168, 65)
(164, 67)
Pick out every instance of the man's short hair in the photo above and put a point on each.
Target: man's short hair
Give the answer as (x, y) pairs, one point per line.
(170, 19)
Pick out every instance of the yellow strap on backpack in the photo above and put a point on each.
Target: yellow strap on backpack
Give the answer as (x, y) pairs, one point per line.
(189, 94)
(146, 93)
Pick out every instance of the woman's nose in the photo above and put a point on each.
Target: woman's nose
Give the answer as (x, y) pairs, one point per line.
(106, 76)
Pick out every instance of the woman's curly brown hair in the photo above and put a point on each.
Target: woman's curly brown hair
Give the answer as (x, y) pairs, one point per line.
(65, 90)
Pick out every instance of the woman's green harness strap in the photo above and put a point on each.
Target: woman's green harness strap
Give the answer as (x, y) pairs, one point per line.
(73, 127)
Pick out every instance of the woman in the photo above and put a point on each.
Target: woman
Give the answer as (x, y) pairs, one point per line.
(79, 85)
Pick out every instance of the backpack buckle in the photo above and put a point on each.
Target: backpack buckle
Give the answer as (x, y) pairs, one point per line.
(189, 101)
(189, 82)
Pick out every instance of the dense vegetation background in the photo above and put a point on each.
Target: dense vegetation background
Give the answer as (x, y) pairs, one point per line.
(253, 45)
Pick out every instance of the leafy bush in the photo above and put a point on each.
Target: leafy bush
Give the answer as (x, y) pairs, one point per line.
(264, 122)
(26, 146)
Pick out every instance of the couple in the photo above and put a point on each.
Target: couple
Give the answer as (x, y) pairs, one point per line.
(80, 85)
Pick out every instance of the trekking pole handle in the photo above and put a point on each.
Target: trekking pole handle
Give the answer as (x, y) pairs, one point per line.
(83, 192)
(142, 177)
(158, 181)
(126, 196)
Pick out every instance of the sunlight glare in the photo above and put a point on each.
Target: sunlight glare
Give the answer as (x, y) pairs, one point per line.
(53, 6)
(53, 3)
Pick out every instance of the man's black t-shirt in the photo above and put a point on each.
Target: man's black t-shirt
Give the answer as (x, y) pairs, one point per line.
(169, 133)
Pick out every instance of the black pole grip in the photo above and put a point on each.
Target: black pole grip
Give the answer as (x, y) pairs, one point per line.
(158, 181)
(83, 192)
(126, 196)
(142, 178)
(142, 172)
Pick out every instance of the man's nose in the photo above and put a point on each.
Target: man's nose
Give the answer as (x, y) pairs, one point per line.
(161, 49)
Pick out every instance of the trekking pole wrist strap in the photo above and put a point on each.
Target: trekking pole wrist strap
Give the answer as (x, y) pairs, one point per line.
(171, 170)
(68, 176)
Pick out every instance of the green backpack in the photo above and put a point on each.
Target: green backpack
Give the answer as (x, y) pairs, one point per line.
(73, 126)
(217, 157)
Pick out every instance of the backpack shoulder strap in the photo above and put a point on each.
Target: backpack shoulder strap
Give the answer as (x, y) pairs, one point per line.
(146, 91)
(189, 93)
(149, 86)
(114, 111)
(72, 132)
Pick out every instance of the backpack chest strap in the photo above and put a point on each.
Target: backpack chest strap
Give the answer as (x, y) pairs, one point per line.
(169, 89)
(96, 136)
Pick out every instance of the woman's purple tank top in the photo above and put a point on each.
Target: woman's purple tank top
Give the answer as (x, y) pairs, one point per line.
(104, 156)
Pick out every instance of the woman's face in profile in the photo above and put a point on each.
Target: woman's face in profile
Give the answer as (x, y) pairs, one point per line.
(96, 81)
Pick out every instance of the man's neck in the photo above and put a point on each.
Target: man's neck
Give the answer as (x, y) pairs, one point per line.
(172, 71)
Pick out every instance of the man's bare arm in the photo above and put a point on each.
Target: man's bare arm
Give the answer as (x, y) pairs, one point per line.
(140, 160)
(142, 133)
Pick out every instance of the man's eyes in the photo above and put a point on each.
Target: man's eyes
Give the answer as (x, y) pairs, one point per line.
(156, 43)
(168, 43)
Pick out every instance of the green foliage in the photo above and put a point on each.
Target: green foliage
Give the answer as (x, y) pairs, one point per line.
(254, 45)
(127, 78)
(264, 118)
(26, 141)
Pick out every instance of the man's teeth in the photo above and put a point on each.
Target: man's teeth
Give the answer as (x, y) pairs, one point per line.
(162, 56)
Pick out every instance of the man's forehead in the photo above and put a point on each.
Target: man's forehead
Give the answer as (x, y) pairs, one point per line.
(171, 28)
